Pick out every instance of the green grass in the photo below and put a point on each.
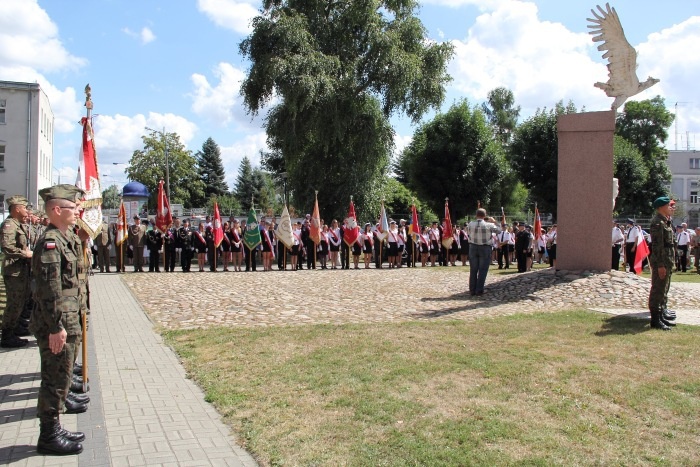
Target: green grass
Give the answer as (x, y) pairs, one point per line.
(571, 388)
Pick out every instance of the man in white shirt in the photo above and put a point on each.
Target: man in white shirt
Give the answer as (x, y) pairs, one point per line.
(683, 241)
(503, 242)
(631, 244)
(618, 238)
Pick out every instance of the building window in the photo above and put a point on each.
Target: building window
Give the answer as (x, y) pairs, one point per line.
(3, 105)
(2, 202)
(2, 156)
(693, 197)
(695, 163)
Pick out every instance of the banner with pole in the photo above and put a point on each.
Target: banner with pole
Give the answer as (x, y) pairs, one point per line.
(447, 237)
(164, 216)
(88, 178)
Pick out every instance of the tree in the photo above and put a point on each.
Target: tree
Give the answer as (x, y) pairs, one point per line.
(341, 69)
(211, 169)
(258, 186)
(645, 125)
(111, 197)
(501, 113)
(455, 156)
(632, 174)
(228, 205)
(147, 166)
(244, 190)
(534, 155)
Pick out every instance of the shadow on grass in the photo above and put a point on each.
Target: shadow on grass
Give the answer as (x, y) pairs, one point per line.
(624, 324)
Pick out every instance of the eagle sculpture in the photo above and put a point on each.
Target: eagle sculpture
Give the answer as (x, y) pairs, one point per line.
(622, 58)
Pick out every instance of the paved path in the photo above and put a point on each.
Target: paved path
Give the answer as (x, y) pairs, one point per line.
(144, 410)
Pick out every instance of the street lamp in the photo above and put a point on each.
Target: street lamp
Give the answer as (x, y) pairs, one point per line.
(167, 165)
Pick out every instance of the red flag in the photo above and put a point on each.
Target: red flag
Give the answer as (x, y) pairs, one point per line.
(352, 230)
(315, 227)
(89, 180)
(538, 224)
(447, 238)
(217, 228)
(163, 215)
(641, 252)
(414, 228)
(122, 230)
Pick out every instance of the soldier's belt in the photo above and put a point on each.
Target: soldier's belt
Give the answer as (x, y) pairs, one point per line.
(70, 292)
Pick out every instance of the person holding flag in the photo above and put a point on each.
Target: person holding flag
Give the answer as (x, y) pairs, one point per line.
(251, 240)
(351, 234)
(121, 234)
(314, 236)
(217, 233)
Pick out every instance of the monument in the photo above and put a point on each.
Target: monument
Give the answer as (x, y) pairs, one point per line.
(584, 193)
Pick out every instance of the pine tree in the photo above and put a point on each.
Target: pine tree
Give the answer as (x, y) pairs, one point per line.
(211, 170)
(245, 187)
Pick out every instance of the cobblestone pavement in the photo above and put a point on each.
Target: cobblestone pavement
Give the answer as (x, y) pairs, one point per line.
(185, 300)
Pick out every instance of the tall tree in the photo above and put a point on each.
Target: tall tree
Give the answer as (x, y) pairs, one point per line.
(110, 197)
(244, 190)
(534, 152)
(632, 174)
(455, 156)
(211, 169)
(645, 124)
(147, 166)
(502, 113)
(254, 184)
(341, 69)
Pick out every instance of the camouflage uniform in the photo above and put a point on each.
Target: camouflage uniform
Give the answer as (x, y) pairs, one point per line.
(15, 272)
(662, 255)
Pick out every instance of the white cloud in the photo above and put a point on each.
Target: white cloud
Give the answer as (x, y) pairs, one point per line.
(505, 47)
(220, 102)
(249, 146)
(480, 4)
(400, 142)
(28, 38)
(229, 14)
(145, 36)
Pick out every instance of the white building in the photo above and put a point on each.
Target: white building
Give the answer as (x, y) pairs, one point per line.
(26, 141)
(685, 171)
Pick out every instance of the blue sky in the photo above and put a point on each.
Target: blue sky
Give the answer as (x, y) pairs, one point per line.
(174, 64)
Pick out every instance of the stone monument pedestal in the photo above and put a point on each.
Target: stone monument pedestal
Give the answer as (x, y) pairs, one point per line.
(585, 191)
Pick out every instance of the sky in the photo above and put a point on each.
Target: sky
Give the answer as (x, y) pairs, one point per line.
(174, 65)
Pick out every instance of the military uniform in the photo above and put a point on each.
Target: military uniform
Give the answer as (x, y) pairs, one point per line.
(137, 240)
(662, 256)
(120, 251)
(59, 296)
(184, 241)
(154, 241)
(15, 273)
(170, 250)
(103, 241)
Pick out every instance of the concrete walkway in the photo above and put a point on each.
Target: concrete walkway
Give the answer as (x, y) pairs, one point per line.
(143, 410)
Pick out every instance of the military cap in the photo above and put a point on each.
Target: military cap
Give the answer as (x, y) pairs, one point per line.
(631, 221)
(17, 200)
(662, 201)
(136, 217)
(65, 191)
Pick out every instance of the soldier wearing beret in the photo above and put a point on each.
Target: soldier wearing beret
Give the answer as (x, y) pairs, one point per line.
(55, 319)
(661, 262)
(15, 268)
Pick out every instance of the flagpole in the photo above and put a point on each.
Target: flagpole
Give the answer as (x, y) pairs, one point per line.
(88, 106)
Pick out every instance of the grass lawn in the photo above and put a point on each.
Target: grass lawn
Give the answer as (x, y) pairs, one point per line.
(570, 388)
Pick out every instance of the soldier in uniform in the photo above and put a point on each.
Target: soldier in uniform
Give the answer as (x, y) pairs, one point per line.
(103, 241)
(15, 269)
(171, 246)
(120, 251)
(55, 319)
(154, 242)
(137, 240)
(661, 262)
(184, 241)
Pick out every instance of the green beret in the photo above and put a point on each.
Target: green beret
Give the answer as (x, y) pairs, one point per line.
(661, 201)
(17, 200)
(68, 192)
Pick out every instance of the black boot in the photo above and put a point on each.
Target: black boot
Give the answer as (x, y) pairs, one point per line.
(72, 435)
(78, 398)
(10, 341)
(656, 322)
(668, 315)
(77, 369)
(51, 440)
(75, 407)
(77, 386)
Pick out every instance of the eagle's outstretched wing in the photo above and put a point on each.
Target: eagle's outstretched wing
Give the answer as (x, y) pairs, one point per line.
(622, 58)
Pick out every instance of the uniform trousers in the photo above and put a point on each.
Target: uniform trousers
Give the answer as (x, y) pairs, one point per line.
(616, 257)
(17, 290)
(170, 255)
(658, 294)
(138, 259)
(103, 257)
(56, 376)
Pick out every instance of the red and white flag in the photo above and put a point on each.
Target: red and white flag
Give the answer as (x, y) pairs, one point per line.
(447, 228)
(414, 228)
(351, 232)
(538, 224)
(163, 215)
(641, 252)
(217, 227)
(89, 181)
(122, 230)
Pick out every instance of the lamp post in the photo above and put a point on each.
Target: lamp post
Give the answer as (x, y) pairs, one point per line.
(167, 165)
